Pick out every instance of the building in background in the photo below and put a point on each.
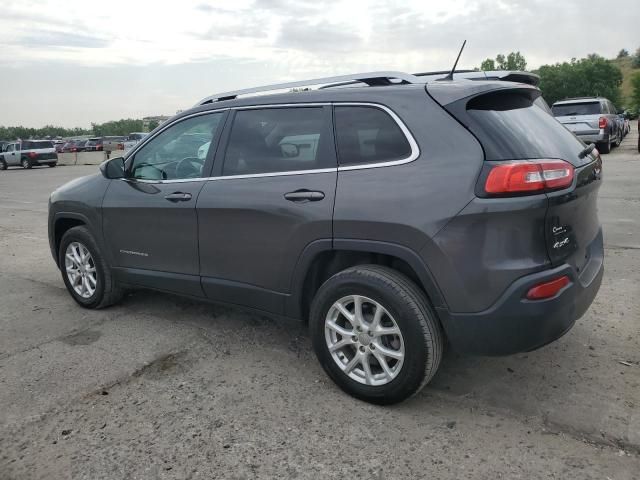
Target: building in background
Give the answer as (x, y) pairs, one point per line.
(149, 123)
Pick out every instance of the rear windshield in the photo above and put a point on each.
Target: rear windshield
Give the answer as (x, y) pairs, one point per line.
(36, 145)
(510, 126)
(573, 109)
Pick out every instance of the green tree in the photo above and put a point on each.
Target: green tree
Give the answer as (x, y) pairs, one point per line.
(488, 65)
(635, 93)
(624, 53)
(512, 61)
(153, 124)
(591, 76)
(124, 126)
(636, 59)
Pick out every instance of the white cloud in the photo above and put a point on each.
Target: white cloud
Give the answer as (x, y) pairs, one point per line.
(281, 39)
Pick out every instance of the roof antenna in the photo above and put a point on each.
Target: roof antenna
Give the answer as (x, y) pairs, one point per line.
(450, 76)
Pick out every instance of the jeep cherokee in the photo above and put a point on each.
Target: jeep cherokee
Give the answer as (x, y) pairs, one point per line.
(393, 215)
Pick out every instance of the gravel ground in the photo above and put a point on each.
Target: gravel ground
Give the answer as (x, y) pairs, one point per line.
(163, 387)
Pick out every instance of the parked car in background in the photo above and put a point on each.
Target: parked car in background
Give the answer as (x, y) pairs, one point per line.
(28, 153)
(58, 145)
(626, 124)
(69, 146)
(376, 213)
(112, 143)
(591, 119)
(81, 145)
(133, 139)
(94, 145)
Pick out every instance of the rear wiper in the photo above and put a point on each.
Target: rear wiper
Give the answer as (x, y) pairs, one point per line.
(586, 151)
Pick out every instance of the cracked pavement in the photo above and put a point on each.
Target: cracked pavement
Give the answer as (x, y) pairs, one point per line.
(163, 387)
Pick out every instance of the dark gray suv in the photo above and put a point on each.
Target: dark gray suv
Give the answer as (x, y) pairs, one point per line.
(390, 212)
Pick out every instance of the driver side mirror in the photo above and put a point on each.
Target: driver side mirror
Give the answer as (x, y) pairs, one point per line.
(113, 168)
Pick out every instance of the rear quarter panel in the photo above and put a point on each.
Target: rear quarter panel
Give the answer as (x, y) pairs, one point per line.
(408, 204)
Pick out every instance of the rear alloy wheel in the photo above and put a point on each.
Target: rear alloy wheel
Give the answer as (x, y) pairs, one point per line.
(375, 334)
(51, 165)
(25, 163)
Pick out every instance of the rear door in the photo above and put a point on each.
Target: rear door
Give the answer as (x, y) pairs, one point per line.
(271, 196)
(582, 118)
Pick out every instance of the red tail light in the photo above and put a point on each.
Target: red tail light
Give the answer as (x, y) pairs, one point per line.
(603, 122)
(531, 176)
(548, 289)
(33, 155)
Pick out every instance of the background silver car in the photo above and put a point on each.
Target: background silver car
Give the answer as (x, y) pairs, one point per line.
(592, 119)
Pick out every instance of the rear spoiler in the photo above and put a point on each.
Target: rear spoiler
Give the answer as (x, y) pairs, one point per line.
(501, 75)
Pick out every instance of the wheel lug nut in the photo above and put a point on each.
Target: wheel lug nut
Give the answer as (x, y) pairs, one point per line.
(354, 338)
(372, 346)
(362, 348)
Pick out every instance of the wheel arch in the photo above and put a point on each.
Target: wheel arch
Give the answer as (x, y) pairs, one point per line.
(62, 223)
(324, 258)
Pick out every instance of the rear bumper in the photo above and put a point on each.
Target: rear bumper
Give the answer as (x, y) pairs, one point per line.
(593, 137)
(514, 324)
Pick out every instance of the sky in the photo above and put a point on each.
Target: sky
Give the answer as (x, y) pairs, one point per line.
(73, 62)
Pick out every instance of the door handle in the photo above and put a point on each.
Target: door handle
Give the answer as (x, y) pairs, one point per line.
(304, 195)
(178, 197)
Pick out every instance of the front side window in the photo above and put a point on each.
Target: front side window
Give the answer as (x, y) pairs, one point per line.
(367, 135)
(10, 148)
(179, 152)
(276, 140)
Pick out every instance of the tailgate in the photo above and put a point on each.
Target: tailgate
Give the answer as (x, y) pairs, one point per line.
(572, 230)
(586, 124)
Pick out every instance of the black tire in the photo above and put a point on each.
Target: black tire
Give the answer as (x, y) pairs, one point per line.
(3, 164)
(26, 163)
(51, 165)
(604, 147)
(409, 307)
(106, 292)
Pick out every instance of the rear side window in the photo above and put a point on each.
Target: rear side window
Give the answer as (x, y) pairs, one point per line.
(574, 109)
(368, 135)
(274, 140)
(511, 127)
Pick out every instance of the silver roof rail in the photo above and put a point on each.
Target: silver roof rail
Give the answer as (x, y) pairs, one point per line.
(370, 78)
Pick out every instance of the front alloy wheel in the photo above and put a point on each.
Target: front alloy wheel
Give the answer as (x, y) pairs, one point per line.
(81, 270)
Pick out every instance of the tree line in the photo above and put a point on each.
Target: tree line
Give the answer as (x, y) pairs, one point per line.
(585, 77)
(116, 128)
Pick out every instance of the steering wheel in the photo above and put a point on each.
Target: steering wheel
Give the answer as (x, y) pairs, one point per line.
(190, 167)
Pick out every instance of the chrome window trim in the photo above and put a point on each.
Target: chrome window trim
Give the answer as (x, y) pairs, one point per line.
(415, 150)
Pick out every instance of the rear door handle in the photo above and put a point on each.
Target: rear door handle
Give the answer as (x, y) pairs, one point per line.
(178, 197)
(304, 195)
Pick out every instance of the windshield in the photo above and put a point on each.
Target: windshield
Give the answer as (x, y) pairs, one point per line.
(573, 109)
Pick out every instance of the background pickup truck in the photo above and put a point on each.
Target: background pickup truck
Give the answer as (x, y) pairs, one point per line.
(111, 144)
(28, 153)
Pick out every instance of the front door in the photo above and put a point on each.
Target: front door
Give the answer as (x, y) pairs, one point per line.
(272, 196)
(12, 154)
(149, 217)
